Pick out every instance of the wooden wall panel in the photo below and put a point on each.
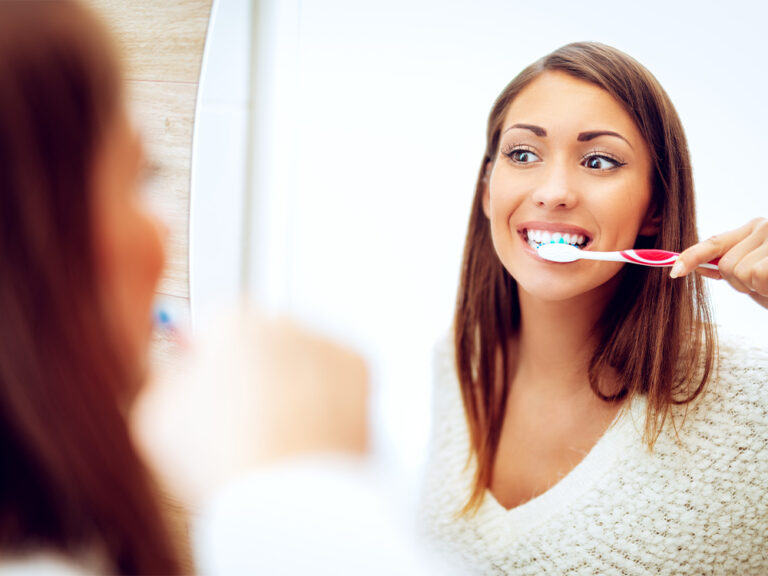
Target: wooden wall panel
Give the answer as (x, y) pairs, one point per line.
(162, 40)
(162, 45)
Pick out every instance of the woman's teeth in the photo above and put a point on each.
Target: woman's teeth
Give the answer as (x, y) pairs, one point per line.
(536, 238)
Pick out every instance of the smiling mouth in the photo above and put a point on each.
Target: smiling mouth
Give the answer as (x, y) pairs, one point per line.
(536, 238)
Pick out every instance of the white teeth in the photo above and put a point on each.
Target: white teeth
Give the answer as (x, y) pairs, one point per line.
(537, 237)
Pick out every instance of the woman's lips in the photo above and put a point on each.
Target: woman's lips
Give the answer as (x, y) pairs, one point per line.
(531, 251)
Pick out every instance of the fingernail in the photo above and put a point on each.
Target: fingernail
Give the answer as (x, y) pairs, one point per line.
(677, 269)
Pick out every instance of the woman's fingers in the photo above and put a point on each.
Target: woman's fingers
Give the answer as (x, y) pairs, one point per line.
(745, 266)
(762, 300)
(743, 254)
(709, 249)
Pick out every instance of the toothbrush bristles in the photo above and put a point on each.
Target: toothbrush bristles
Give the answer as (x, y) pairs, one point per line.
(558, 252)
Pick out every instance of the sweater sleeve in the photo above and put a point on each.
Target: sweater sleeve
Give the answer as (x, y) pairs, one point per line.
(322, 514)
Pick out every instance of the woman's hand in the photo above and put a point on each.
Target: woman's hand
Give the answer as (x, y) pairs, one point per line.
(253, 391)
(743, 256)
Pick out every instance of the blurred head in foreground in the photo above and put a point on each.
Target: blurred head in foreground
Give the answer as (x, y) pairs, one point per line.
(79, 262)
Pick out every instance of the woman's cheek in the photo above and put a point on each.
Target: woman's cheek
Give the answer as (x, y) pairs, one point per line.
(157, 236)
(139, 268)
(152, 259)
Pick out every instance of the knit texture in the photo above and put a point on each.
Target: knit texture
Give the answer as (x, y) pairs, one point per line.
(694, 506)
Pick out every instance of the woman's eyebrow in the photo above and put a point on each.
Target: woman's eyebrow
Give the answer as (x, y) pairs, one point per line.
(538, 130)
(582, 137)
(587, 136)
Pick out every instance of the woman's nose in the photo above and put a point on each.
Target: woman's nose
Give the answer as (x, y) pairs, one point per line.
(556, 190)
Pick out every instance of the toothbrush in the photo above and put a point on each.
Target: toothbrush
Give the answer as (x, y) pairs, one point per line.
(165, 320)
(561, 252)
(162, 319)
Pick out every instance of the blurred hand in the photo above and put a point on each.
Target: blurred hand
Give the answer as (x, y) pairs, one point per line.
(743, 256)
(252, 391)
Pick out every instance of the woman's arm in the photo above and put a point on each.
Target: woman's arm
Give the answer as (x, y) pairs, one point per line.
(743, 256)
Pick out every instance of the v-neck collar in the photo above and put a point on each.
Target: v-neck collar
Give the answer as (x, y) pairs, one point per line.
(624, 430)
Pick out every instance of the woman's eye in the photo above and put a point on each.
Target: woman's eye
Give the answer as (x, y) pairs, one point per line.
(596, 162)
(523, 156)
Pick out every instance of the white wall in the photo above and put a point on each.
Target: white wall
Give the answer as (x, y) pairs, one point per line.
(371, 131)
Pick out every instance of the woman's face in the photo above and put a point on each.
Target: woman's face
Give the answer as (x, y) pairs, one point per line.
(571, 162)
(130, 251)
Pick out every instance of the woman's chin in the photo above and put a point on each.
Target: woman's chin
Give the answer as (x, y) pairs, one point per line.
(563, 283)
(552, 293)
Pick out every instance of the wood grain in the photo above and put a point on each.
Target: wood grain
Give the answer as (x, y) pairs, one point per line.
(162, 40)
(162, 45)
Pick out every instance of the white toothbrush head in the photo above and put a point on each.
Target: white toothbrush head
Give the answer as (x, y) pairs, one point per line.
(558, 252)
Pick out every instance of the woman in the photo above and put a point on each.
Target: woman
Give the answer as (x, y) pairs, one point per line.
(79, 262)
(80, 258)
(582, 421)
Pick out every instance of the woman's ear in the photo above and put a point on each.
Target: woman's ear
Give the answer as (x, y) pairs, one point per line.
(652, 221)
(486, 190)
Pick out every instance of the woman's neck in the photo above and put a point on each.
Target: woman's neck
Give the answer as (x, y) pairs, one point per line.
(555, 342)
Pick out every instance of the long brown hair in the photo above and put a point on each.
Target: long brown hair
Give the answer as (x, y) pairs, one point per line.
(71, 478)
(656, 332)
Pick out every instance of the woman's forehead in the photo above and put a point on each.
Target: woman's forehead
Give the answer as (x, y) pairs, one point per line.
(564, 105)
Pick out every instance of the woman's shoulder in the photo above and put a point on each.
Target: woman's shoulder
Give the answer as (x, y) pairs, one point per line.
(742, 369)
(753, 354)
(449, 437)
(443, 352)
(446, 390)
(735, 400)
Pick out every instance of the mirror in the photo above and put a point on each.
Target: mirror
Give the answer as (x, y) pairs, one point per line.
(337, 144)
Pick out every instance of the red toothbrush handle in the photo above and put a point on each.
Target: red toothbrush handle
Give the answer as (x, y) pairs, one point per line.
(650, 257)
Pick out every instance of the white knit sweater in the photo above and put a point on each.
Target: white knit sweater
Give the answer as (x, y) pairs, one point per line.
(700, 507)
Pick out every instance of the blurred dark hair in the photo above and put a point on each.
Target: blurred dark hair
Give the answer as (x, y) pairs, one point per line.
(655, 332)
(71, 478)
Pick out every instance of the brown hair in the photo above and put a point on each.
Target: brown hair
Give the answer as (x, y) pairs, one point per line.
(654, 332)
(71, 477)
